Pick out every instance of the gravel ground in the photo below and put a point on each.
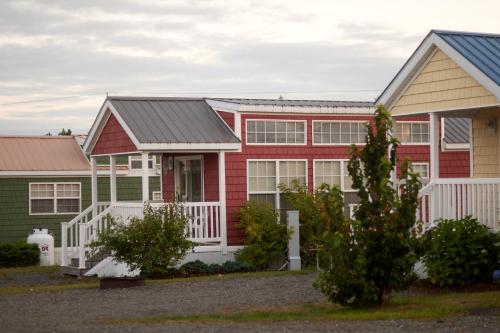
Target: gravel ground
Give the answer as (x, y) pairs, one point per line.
(34, 279)
(84, 310)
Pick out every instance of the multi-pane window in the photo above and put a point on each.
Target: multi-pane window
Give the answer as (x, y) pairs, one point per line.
(335, 132)
(136, 162)
(55, 198)
(264, 178)
(422, 169)
(412, 132)
(332, 172)
(276, 132)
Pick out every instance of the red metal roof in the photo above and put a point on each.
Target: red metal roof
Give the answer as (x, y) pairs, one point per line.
(41, 153)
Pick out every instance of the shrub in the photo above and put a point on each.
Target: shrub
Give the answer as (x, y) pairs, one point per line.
(460, 252)
(154, 244)
(373, 254)
(19, 254)
(266, 239)
(194, 267)
(214, 269)
(237, 267)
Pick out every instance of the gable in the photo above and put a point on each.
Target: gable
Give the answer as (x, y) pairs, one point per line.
(442, 85)
(113, 139)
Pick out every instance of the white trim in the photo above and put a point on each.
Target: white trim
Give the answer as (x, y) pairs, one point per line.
(337, 121)
(166, 147)
(342, 175)
(276, 120)
(446, 147)
(145, 176)
(44, 173)
(426, 164)
(415, 62)
(55, 198)
(471, 151)
(221, 164)
(412, 122)
(112, 180)
(434, 143)
(93, 186)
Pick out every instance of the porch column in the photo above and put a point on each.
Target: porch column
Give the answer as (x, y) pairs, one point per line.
(112, 179)
(145, 177)
(222, 199)
(93, 163)
(434, 160)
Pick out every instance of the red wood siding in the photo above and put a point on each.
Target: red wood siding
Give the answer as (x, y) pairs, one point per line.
(113, 139)
(228, 117)
(210, 177)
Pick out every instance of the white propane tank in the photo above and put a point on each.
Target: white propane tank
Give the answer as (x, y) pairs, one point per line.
(45, 242)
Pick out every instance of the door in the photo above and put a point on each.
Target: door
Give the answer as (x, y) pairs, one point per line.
(189, 178)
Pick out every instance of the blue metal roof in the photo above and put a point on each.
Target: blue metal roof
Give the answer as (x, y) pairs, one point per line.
(482, 50)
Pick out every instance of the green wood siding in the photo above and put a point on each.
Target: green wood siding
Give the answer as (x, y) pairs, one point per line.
(16, 223)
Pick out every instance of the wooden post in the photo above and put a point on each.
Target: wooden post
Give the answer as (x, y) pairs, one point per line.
(145, 177)
(434, 150)
(94, 185)
(112, 179)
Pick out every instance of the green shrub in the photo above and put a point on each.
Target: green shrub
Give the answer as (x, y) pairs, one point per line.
(19, 254)
(154, 244)
(194, 267)
(266, 239)
(237, 267)
(214, 269)
(460, 252)
(373, 254)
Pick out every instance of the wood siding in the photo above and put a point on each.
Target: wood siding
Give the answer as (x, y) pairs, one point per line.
(113, 139)
(442, 85)
(228, 117)
(486, 143)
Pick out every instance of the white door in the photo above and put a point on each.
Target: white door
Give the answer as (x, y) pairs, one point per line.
(189, 178)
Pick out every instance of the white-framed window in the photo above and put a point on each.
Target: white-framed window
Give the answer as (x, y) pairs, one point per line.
(264, 177)
(157, 196)
(135, 162)
(276, 132)
(54, 198)
(326, 132)
(413, 132)
(332, 172)
(421, 168)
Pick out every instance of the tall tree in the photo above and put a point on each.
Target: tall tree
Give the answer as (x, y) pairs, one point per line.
(64, 132)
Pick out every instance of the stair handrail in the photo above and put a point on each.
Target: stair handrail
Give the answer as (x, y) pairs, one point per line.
(89, 231)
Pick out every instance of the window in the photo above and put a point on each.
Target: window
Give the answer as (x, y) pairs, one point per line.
(56, 198)
(412, 132)
(332, 172)
(336, 133)
(422, 169)
(276, 132)
(265, 176)
(136, 162)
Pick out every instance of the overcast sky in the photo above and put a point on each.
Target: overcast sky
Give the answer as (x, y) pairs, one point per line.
(59, 58)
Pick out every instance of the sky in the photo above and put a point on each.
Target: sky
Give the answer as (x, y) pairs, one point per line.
(59, 59)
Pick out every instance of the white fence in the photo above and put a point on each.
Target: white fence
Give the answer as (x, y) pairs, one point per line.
(456, 198)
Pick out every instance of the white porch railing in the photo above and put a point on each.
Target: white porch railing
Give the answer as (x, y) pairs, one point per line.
(70, 232)
(203, 226)
(456, 198)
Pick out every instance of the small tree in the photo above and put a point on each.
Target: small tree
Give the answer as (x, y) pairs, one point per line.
(373, 254)
(154, 244)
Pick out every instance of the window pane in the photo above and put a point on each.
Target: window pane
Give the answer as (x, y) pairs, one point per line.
(42, 206)
(136, 164)
(251, 126)
(347, 179)
(268, 198)
(251, 138)
(281, 127)
(68, 205)
(299, 127)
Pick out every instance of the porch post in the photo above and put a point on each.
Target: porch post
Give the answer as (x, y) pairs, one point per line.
(112, 179)
(94, 185)
(434, 160)
(222, 199)
(145, 177)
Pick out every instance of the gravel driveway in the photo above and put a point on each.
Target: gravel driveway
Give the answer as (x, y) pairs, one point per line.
(83, 310)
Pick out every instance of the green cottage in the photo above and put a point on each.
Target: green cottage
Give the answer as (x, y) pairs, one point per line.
(46, 180)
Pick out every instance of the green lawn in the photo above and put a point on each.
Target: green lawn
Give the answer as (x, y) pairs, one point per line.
(401, 307)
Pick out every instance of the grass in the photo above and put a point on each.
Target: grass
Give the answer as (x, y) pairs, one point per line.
(401, 307)
(92, 283)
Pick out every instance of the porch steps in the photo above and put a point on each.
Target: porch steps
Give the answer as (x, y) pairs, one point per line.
(74, 270)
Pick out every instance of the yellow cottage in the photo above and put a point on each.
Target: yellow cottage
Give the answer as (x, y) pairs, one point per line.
(456, 74)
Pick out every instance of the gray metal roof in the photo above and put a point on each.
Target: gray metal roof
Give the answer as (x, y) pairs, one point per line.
(296, 102)
(482, 50)
(172, 120)
(457, 130)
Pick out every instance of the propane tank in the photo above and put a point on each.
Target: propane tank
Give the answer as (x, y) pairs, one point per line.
(45, 243)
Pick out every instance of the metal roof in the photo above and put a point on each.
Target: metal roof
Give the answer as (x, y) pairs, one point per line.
(482, 50)
(296, 102)
(41, 153)
(172, 120)
(456, 130)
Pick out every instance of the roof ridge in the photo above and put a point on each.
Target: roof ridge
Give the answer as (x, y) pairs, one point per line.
(29, 136)
(465, 33)
(153, 98)
(289, 100)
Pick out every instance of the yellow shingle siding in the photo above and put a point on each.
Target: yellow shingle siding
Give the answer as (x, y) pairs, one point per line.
(486, 143)
(442, 85)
